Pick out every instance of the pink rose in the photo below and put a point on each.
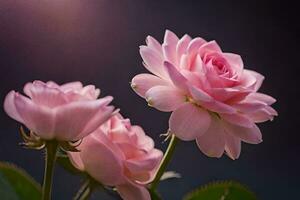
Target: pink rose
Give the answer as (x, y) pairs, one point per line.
(119, 154)
(67, 113)
(214, 100)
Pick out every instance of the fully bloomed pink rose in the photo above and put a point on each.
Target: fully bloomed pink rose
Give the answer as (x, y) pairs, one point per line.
(119, 154)
(67, 113)
(214, 100)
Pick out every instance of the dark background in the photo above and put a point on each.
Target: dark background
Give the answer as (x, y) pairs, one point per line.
(96, 42)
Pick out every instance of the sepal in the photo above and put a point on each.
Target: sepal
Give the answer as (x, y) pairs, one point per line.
(31, 140)
(70, 146)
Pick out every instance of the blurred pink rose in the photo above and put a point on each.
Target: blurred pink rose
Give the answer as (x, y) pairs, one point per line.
(119, 154)
(213, 98)
(67, 113)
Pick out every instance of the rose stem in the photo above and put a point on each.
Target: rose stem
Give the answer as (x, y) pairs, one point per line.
(165, 161)
(51, 149)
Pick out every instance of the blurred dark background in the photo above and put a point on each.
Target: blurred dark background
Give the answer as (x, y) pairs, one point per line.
(97, 42)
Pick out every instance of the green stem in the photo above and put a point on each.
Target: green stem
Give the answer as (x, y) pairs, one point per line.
(85, 190)
(51, 149)
(166, 159)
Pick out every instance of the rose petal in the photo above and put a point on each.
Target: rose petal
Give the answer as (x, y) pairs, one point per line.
(71, 119)
(51, 84)
(238, 119)
(247, 106)
(192, 77)
(37, 118)
(260, 97)
(143, 82)
(170, 37)
(165, 98)
(103, 114)
(177, 78)
(144, 163)
(132, 191)
(153, 44)
(189, 122)
(71, 86)
(90, 92)
(194, 45)
(216, 80)
(212, 142)
(229, 95)
(208, 102)
(182, 45)
(249, 135)
(199, 95)
(120, 129)
(254, 76)
(197, 65)
(10, 107)
(101, 162)
(169, 52)
(143, 141)
(263, 115)
(27, 89)
(184, 62)
(232, 146)
(76, 160)
(271, 110)
(153, 61)
(209, 46)
(235, 61)
(130, 150)
(44, 95)
(218, 107)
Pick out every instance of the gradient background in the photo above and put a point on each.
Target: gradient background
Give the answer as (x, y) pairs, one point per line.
(96, 42)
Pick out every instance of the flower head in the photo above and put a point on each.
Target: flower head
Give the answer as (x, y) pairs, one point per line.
(121, 155)
(66, 112)
(213, 99)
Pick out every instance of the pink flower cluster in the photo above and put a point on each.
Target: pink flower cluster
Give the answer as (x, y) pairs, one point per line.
(213, 99)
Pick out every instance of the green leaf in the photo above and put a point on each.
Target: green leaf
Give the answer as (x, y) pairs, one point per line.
(64, 161)
(225, 190)
(16, 184)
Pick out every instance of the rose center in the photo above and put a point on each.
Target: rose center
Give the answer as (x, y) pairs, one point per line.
(219, 66)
